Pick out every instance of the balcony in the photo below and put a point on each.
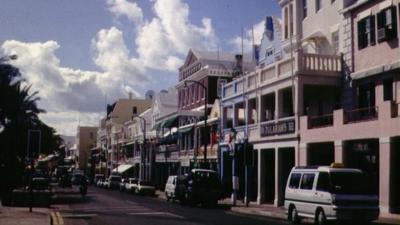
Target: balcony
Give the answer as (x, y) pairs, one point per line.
(362, 114)
(320, 121)
(323, 64)
(303, 63)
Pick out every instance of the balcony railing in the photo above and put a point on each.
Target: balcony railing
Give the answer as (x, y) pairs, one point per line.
(320, 121)
(362, 114)
(321, 63)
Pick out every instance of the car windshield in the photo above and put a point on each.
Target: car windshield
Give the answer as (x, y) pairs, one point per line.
(206, 178)
(350, 183)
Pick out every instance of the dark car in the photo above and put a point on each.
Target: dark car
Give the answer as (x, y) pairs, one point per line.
(114, 181)
(77, 179)
(199, 186)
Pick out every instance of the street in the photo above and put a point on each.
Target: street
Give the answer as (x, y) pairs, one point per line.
(105, 207)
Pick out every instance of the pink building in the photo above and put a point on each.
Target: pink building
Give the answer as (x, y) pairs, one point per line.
(364, 134)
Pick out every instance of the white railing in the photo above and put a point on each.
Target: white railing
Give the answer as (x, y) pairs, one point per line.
(321, 63)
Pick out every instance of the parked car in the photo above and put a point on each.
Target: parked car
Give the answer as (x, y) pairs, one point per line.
(76, 178)
(330, 193)
(98, 177)
(40, 183)
(122, 184)
(171, 188)
(145, 188)
(100, 182)
(113, 182)
(199, 186)
(105, 183)
(131, 185)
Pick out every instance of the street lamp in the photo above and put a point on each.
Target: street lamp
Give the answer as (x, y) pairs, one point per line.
(142, 155)
(205, 117)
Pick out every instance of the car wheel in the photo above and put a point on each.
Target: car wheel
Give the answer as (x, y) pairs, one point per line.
(293, 216)
(167, 197)
(320, 218)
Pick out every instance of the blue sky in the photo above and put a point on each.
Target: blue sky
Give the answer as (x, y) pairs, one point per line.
(78, 52)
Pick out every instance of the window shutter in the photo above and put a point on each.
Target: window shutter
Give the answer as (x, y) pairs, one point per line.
(372, 31)
(394, 22)
(381, 19)
(361, 32)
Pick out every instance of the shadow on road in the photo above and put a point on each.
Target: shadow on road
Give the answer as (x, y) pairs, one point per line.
(71, 199)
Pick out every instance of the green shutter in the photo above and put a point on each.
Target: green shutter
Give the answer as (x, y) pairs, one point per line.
(361, 32)
(372, 32)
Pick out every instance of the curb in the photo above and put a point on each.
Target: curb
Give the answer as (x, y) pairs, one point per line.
(266, 214)
(56, 218)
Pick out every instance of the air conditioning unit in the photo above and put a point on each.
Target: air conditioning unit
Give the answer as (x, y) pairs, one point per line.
(381, 34)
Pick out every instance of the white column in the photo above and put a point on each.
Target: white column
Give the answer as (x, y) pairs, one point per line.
(339, 156)
(384, 174)
(277, 176)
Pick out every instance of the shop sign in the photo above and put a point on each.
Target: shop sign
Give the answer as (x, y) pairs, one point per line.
(278, 128)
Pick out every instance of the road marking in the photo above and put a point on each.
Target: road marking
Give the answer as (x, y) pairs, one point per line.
(97, 208)
(156, 214)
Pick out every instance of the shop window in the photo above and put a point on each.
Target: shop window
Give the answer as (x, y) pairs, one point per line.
(387, 24)
(307, 181)
(388, 89)
(366, 32)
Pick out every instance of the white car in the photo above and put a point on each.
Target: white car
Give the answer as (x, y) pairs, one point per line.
(131, 185)
(105, 183)
(333, 193)
(145, 188)
(170, 188)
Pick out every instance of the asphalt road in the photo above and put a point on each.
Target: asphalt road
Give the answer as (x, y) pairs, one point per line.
(106, 207)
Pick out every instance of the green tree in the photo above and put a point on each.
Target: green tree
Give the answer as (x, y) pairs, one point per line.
(19, 113)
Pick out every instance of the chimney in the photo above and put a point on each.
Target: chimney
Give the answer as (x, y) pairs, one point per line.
(130, 95)
(239, 65)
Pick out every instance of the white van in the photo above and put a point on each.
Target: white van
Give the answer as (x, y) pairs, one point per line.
(170, 188)
(327, 193)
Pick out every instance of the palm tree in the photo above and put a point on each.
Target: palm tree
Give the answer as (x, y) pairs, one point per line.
(18, 113)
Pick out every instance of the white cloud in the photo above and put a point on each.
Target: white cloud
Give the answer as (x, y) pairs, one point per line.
(67, 91)
(125, 8)
(258, 30)
(161, 44)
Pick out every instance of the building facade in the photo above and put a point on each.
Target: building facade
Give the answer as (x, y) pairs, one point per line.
(366, 134)
(85, 141)
(200, 80)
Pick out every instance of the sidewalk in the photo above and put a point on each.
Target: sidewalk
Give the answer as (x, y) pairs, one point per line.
(22, 216)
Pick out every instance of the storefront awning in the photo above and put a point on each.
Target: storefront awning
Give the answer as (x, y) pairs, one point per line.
(157, 126)
(122, 168)
(170, 122)
(185, 130)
